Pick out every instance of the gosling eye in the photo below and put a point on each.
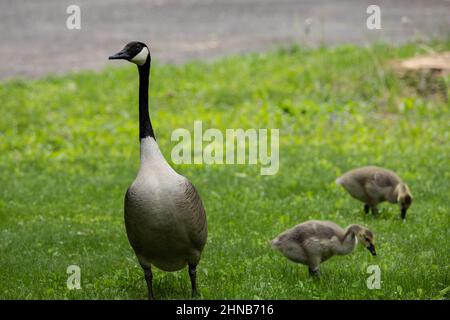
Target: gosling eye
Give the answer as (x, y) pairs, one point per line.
(367, 239)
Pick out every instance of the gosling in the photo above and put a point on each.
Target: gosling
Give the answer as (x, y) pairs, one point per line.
(373, 185)
(313, 242)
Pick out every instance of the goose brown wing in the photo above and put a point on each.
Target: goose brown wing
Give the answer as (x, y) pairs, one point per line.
(304, 232)
(193, 207)
(383, 180)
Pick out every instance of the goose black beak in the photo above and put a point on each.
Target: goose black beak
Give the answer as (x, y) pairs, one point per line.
(403, 213)
(120, 55)
(371, 248)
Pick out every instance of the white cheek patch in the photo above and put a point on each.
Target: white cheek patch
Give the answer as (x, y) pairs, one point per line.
(141, 57)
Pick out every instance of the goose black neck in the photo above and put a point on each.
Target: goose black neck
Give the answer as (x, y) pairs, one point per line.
(145, 125)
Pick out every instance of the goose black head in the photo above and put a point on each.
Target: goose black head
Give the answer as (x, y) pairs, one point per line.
(136, 52)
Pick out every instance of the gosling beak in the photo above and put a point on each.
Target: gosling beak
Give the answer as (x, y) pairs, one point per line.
(120, 55)
(371, 248)
(403, 213)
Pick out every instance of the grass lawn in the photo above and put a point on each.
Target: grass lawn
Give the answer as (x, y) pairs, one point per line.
(69, 150)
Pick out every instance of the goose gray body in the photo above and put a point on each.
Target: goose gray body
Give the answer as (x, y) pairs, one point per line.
(164, 216)
(373, 185)
(313, 242)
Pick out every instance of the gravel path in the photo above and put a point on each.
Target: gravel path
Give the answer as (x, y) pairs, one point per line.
(35, 40)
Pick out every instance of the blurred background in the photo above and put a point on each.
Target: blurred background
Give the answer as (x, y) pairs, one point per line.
(35, 40)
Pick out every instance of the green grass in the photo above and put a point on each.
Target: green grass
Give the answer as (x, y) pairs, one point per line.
(69, 150)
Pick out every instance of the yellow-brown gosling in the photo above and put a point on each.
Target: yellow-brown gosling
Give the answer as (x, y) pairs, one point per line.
(373, 185)
(313, 242)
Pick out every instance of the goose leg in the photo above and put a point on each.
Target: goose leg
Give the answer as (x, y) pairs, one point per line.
(149, 279)
(193, 276)
(314, 272)
(374, 210)
(366, 208)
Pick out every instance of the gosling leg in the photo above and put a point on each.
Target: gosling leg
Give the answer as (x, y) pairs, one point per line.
(314, 272)
(193, 276)
(366, 208)
(374, 210)
(149, 279)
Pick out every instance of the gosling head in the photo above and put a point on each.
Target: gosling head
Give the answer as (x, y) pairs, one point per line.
(367, 239)
(135, 52)
(404, 199)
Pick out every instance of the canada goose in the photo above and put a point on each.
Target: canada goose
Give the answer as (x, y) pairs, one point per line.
(373, 185)
(313, 242)
(164, 215)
